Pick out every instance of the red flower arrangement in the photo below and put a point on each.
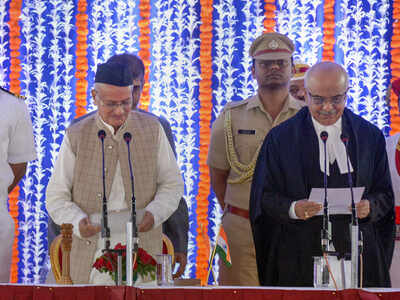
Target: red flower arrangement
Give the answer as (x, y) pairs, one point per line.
(145, 265)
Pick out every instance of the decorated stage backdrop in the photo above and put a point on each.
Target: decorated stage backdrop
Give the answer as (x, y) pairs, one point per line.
(196, 58)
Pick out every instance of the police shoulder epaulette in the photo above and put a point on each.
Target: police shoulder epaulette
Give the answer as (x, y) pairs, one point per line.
(235, 104)
(15, 95)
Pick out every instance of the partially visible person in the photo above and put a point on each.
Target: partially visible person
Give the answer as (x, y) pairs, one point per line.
(74, 193)
(285, 224)
(176, 227)
(393, 152)
(296, 85)
(17, 148)
(396, 89)
(236, 138)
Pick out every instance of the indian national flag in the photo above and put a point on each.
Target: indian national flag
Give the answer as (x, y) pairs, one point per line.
(223, 248)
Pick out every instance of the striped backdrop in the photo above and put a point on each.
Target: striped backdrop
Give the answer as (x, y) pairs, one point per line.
(196, 59)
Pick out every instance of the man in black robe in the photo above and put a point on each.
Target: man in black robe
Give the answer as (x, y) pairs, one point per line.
(286, 230)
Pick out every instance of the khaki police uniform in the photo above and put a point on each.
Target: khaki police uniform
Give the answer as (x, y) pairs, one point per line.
(233, 145)
(236, 138)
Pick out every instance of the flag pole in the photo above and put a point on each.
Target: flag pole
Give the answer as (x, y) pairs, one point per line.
(213, 255)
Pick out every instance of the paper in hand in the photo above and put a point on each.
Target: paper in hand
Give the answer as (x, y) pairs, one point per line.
(117, 220)
(339, 200)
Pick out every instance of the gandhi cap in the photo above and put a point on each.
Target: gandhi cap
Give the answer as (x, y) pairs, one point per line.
(271, 45)
(114, 74)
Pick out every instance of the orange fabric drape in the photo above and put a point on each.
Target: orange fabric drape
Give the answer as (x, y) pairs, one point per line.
(205, 96)
(144, 53)
(81, 59)
(269, 13)
(395, 66)
(328, 27)
(15, 87)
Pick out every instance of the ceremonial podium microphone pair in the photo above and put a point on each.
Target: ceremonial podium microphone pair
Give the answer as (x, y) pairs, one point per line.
(132, 239)
(323, 273)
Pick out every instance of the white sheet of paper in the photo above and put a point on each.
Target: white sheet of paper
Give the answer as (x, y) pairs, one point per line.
(339, 200)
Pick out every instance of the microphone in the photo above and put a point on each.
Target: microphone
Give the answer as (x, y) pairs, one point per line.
(105, 230)
(132, 240)
(128, 138)
(345, 139)
(326, 230)
(325, 221)
(355, 243)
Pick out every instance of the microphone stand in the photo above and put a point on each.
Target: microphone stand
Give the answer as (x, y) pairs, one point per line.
(354, 222)
(105, 229)
(132, 239)
(326, 232)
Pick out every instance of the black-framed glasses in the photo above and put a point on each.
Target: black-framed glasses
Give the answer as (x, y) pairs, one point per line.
(334, 100)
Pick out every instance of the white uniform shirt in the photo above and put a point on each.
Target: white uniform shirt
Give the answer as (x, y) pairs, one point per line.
(59, 190)
(16, 146)
(16, 140)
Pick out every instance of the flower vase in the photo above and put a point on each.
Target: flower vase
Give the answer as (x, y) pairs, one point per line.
(145, 280)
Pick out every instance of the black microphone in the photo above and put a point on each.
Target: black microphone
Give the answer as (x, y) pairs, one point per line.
(128, 138)
(105, 230)
(325, 220)
(345, 139)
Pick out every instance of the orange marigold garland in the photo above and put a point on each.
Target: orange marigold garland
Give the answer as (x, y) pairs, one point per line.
(81, 59)
(144, 53)
(205, 96)
(269, 20)
(328, 26)
(15, 87)
(395, 66)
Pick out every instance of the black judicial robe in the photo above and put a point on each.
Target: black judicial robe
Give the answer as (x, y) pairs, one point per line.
(286, 171)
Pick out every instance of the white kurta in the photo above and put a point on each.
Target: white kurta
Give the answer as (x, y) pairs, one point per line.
(63, 210)
(16, 146)
(391, 143)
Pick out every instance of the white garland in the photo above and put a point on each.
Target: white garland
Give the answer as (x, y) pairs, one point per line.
(253, 27)
(132, 42)
(126, 30)
(28, 185)
(3, 42)
(34, 209)
(297, 20)
(68, 98)
(365, 57)
(225, 49)
(95, 41)
(174, 86)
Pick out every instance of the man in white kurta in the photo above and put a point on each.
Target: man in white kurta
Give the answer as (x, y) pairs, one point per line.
(393, 148)
(112, 95)
(16, 149)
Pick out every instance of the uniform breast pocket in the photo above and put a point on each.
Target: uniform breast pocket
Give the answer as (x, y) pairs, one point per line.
(247, 141)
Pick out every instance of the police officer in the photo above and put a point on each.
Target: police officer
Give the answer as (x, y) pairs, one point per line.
(296, 86)
(236, 138)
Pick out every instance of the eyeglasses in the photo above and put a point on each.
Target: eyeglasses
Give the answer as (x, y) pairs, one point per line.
(335, 100)
(265, 64)
(126, 105)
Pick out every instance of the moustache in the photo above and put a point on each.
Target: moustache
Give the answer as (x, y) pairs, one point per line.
(328, 113)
